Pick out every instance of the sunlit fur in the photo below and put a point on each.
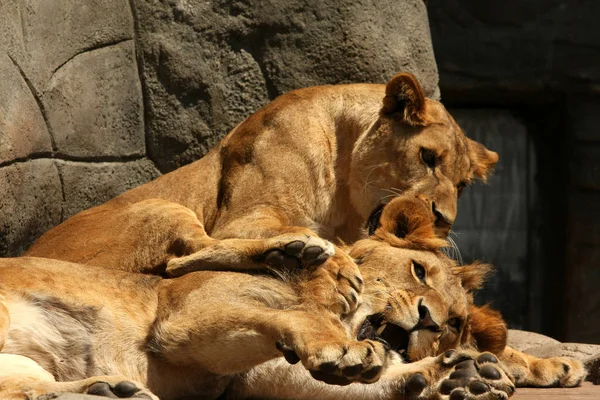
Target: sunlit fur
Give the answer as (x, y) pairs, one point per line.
(216, 333)
(315, 161)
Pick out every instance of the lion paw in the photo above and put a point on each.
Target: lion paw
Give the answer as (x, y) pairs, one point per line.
(337, 285)
(556, 372)
(341, 363)
(481, 378)
(123, 390)
(459, 376)
(299, 251)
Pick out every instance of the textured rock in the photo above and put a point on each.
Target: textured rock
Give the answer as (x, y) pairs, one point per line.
(74, 97)
(208, 65)
(22, 127)
(89, 184)
(516, 45)
(94, 104)
(44, 35)
(523, 340)
(30, 203)
(580, 351)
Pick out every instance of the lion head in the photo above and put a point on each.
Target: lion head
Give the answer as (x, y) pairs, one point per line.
(416, 299)
(416, 147)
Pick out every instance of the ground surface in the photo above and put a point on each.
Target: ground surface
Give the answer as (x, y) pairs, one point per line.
(586, 392)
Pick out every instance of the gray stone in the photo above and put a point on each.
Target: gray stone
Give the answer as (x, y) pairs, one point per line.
(94, 104)
(523, 340)
(44, 35)
(89, 184)
(30, 203)
(580, 351)
(22, 127)
(207, 66)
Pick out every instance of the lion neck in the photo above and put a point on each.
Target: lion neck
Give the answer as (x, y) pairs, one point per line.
(354, 113)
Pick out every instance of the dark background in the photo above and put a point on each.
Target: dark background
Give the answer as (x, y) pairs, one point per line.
(523, 77)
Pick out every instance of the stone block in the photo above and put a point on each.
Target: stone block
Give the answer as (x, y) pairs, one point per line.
(523, 340)
(94, 104)
(31, 203)
(52, 32)
(89, 184)
(23, 130)
(206, 67)
(580, 351)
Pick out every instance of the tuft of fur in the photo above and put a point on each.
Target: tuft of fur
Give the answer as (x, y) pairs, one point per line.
(488, 331)
(408, 223)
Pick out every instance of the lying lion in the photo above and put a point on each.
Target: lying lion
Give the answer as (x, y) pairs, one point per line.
(315, 162)
(218, 333)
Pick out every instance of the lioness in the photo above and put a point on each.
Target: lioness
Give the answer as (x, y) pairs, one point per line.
(218, 333)
(313, 163)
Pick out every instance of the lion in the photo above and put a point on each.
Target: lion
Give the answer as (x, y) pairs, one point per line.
(314, 162)
(228, 334)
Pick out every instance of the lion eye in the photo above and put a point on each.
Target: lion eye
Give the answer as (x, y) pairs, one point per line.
(454, 323)
(428, 158)
(419, 271)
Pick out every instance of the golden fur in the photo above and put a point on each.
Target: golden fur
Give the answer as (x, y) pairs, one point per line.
(314, 162)
(213, 333)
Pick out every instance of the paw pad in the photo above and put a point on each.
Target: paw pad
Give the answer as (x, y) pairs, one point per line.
(415, 384)
(123, 389)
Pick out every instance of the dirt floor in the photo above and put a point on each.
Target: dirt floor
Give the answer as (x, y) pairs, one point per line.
(586, 392)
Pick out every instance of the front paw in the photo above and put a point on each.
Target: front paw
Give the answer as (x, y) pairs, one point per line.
(457, 375)
(340, 363)
(337, 285)
(298, 251)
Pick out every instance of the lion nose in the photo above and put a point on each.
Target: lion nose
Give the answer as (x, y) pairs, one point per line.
(442, 221)
(425, 320)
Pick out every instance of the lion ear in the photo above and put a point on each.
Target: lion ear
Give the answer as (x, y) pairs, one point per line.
(404, 96)
(473, 276)
(488, 331)
(482, 160)
(407, 222)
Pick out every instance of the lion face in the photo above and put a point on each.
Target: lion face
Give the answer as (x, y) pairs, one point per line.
(416, 299)
(416, 148)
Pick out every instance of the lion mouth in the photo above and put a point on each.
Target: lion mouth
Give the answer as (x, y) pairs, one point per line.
(375, 327)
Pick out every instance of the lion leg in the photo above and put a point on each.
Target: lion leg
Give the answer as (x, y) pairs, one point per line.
(25, 387)
(470, 374)
(4, 322)
(289, 251)
(231, 339)
(336, 284)
(527, 370)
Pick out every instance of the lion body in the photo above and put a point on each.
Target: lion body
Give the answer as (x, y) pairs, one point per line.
(315, 161)
(222, 333)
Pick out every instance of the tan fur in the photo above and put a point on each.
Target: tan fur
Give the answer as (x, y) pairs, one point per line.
(314, 162)
(212, 333)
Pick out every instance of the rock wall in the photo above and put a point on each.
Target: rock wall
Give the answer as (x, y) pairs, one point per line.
(97, 97)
